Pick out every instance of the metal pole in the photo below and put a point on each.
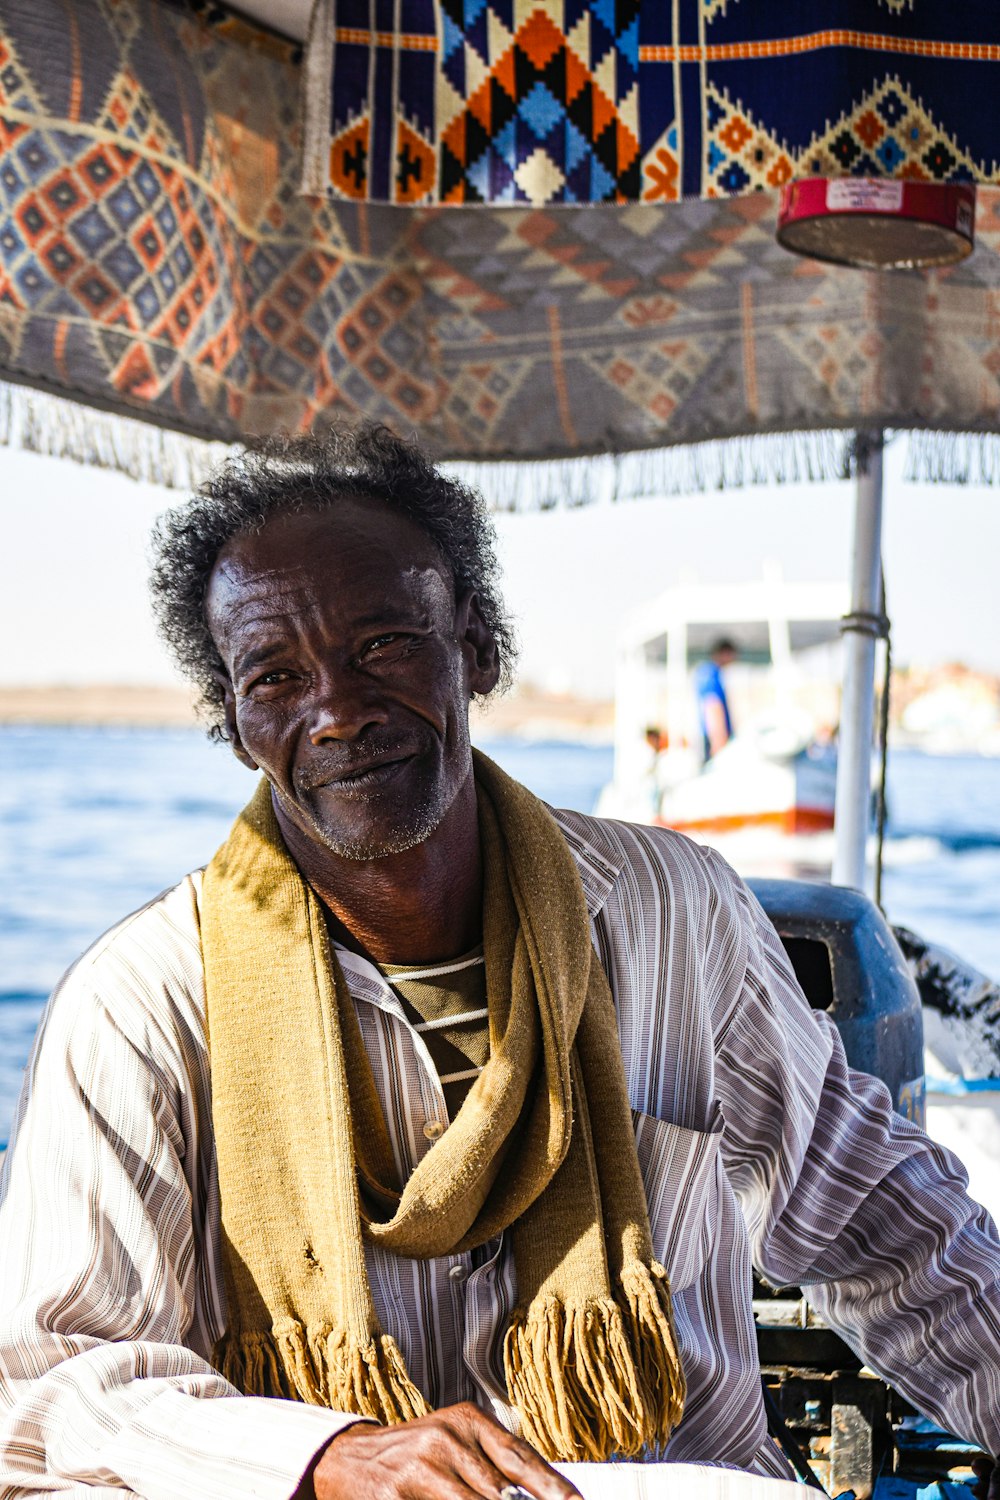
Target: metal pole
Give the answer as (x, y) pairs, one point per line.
(862, 628)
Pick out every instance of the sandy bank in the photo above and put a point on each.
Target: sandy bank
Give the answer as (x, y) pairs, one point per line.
(98, 704)
(525, 711)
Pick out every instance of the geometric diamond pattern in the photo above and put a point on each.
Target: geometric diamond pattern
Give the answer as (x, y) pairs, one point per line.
(887, 132)
(610, 101)
(545, 111)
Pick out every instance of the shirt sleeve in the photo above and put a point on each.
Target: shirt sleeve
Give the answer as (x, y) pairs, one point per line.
(855, 1204)
(100, 1260)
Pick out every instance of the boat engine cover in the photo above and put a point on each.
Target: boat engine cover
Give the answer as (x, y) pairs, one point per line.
(850, 965)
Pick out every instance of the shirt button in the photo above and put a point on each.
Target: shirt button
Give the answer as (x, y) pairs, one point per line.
(433, 1130)
(457, 1273)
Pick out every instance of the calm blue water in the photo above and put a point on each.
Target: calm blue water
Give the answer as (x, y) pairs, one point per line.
(95, 822)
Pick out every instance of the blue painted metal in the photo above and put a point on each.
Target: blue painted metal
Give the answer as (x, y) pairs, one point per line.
(850, 965)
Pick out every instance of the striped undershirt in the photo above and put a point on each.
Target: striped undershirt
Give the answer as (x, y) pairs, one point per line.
(446, 1003)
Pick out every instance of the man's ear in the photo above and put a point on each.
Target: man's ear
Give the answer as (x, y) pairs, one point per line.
(232, 728)
(482, 653)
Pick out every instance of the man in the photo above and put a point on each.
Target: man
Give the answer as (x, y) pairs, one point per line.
(714, 718)
(450, 1118)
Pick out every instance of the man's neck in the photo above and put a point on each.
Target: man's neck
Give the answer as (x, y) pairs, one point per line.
(424, 905)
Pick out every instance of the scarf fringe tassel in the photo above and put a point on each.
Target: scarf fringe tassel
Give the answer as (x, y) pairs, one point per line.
(589, 1382)
(599, 1380)
(323, 1367)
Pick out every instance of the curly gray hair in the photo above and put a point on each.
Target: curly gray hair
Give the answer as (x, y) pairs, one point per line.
(285, 474)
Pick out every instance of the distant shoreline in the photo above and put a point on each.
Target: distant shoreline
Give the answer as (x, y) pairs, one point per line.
(948, 710)
(120, 705)
(98, 704)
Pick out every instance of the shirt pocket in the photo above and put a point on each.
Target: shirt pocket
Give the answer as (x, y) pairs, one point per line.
(681, 1172)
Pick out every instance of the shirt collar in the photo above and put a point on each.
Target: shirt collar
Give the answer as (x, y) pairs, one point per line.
(598, 859)
(367, 982)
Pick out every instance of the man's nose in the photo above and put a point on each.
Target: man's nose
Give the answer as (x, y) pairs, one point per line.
(347, 704)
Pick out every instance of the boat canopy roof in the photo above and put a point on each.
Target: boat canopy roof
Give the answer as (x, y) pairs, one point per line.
(748, 613)
(565, 287)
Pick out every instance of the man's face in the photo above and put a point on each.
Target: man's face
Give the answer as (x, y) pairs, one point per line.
(350, 669)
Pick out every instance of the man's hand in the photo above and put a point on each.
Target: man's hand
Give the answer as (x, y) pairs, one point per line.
(458, 1453)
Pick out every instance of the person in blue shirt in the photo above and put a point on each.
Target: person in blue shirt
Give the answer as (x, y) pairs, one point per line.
(714, 717)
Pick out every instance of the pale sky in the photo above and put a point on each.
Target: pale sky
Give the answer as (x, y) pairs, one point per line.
(73, 569)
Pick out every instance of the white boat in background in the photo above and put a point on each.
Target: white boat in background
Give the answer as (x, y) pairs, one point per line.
(777, 776)
(769, 777)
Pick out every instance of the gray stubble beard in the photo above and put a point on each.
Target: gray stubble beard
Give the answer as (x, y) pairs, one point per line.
(419, 825)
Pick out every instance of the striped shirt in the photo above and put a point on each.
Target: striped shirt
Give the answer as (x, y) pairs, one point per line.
(756, 1143)
(447, 1005)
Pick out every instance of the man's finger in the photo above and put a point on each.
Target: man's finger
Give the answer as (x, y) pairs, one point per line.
(523, 1466)
(477, 1469)
(458, 1489)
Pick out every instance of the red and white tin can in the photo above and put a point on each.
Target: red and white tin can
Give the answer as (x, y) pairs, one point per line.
(878, 222)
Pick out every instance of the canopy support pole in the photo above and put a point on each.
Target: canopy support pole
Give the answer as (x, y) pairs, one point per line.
(862, 629)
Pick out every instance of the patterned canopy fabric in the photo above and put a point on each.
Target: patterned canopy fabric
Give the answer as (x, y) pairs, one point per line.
(612, 101)
(158, 260)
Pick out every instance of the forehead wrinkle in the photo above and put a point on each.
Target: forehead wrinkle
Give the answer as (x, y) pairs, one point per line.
(247, 593)
(234, 589)
(237, 578)
(262, 605)
(300, 607)
(421, 590)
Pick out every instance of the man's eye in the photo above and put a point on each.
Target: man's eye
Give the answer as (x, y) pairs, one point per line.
(268, 679)
(383, 643)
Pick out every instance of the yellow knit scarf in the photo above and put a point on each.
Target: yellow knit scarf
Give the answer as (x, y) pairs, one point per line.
(543, 1145)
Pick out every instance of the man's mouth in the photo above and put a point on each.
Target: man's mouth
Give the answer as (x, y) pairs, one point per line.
(359, 779)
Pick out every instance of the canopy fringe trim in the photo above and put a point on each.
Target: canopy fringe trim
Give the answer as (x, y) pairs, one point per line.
(762, 458)
(953, 458)
(38, 421)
